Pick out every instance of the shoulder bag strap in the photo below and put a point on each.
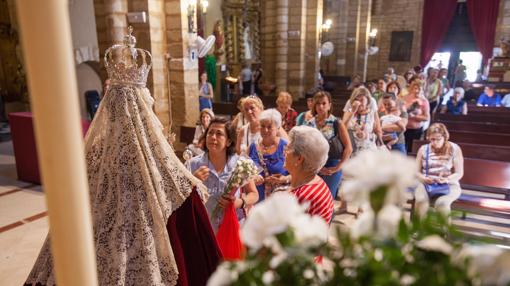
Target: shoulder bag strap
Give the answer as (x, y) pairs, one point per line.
(427, 161)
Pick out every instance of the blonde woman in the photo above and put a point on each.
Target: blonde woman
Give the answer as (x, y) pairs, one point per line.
(249, 133)
(439, 162)
(362, 120)
(284, 106)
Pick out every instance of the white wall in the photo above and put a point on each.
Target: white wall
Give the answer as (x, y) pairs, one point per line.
(83, 29)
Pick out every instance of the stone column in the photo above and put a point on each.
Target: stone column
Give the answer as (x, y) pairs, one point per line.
(296, 48)
(183, 73)
(111, 22)
(282, 48)
(268, 40)
(313, 24)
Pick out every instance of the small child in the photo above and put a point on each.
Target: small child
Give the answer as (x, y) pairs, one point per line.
(390, 138)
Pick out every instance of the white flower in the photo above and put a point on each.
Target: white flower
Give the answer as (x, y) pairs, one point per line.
(388, 221)
(268, 277)
(371, 169)
(310, 230)
(272, 216)
(378, 255)
(308, 273)
(435, 243)
(221, 277)
(407, 280)
(364, 225)
(277, 259)
(489, 261)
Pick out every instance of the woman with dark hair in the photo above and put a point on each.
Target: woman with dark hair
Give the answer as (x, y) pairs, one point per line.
(215, 167)
(418, 110)
(393, 87)
(439, 163)
(330, 127)
(205, 93)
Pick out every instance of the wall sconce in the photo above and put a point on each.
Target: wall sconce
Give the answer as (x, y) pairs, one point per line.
(372, 35)
(372, 48)
(327, 25)
(192, 7)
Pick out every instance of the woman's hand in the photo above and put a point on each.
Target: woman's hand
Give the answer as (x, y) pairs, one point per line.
(258, 180)
(277, 179)
(355, 106)
(226, 199)
(442, 180)
(202, 173)
(428, 180)
(331, 170)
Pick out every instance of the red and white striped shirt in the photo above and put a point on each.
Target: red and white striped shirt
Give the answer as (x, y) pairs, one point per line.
(316, 193)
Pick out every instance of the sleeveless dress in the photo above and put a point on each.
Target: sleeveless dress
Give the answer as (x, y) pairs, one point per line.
(137, 187)
(204, 102)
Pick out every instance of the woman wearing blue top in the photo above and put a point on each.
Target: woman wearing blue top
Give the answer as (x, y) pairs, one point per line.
(205, 93)
(268, 153)
(456, 104)
(325, 121)
(214, 168)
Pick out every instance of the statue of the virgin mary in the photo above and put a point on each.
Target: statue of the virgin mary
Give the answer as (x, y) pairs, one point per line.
(150, 225)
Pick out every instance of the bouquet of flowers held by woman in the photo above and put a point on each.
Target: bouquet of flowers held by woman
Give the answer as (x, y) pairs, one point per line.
(228, 236)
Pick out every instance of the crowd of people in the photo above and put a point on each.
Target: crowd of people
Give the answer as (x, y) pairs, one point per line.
(304, 153)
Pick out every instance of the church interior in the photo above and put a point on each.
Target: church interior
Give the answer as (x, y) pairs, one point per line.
(59, 69)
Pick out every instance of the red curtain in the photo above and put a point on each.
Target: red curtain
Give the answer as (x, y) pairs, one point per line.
(437, 16)
(483, 15)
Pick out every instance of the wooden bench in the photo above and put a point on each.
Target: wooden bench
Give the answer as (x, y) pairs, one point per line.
(484, 138)
(476, 126)
(472, 108)
(476, 151)
(501, 118)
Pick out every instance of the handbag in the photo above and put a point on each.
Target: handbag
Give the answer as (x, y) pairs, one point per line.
(336, 148)
(435, 189)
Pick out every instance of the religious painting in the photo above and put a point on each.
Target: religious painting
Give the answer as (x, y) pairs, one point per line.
(401, 46)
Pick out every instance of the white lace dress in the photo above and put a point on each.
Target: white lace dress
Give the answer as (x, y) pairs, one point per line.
(135, 183)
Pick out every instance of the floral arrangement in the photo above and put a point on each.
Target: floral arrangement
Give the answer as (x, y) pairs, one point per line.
(288, 247)
(244, 171)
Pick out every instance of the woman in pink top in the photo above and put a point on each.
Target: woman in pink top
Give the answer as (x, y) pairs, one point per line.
(418, 111)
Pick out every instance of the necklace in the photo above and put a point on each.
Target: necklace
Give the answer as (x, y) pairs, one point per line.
(266, 148)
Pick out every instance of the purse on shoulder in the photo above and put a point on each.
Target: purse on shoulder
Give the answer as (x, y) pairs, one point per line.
(336, 148)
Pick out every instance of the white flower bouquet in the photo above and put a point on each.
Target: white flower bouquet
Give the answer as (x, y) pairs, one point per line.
(244, 171)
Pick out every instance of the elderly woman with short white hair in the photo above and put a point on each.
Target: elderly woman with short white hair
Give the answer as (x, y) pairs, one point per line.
(268, 153)
(305, 155)
(456, 105)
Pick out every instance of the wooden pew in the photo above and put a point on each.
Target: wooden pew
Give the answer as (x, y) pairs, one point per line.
(501, 118)
(476, 151)
(484, 138)
(476, 126)
(472, 108)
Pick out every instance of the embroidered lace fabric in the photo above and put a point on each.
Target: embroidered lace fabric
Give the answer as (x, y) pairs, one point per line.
(136, 182)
